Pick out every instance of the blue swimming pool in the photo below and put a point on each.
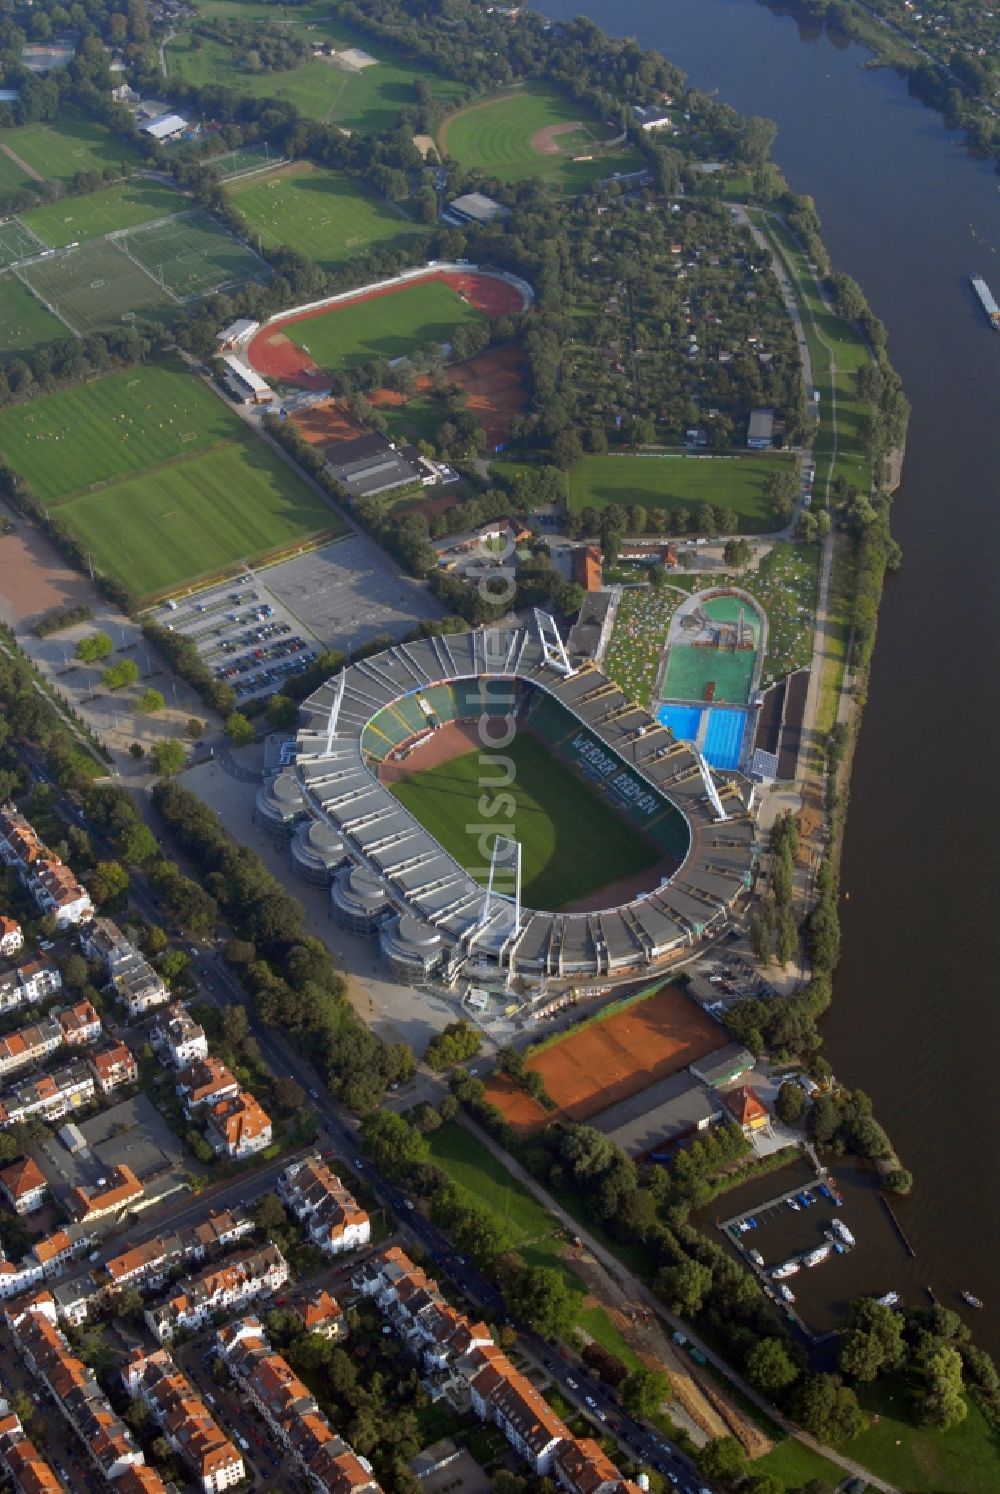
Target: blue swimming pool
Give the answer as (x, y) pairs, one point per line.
(683, 721)
(724, 738)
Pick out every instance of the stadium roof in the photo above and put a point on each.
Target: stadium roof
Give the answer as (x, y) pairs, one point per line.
(422, 879)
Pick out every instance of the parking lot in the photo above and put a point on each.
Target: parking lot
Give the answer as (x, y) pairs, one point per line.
(244, 634)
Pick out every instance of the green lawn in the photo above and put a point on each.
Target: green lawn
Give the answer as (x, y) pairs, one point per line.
(572, 842)
(497, 136)
(964, 1460)
(123, 205)
(793, 1464)
(195, 517)
(12, 178)
(111, 427)
(388, 327)
(73, 143)
(670, 482)
(24, 322)
(324, 214)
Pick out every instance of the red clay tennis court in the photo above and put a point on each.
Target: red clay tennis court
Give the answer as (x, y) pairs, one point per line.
(611, 1060)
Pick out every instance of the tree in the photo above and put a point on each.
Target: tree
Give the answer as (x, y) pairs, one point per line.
(282, 712)
(108, 882)
(873, 1340)
(683, 1286)
(149, 702)
(539, 1296)
(167, 757)
(944, 1404)
(722, 1459)
(269, 1215)
(91, 650)
(737, 554)
(770, 1368)
(827, 1408)
(898, 1180)
(790, 1103)
(644, 1392)
(288, 1095)
(137, 844)
(193, 728)
(455, 1043)
(569, 598)
(238, 729)
(121, 674)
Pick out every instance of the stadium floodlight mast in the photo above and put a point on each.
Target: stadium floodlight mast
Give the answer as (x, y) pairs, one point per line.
(710, 788)
(553, 648)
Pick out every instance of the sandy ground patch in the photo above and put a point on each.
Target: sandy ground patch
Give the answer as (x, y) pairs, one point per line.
(546, 142)
(34, 578)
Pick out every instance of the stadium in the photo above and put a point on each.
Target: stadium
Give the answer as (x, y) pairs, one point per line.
(390, 876)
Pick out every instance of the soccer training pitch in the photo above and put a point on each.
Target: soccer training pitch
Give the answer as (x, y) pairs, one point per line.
(72, 143)
(124, 205)
(324, 214)
(16, 243)
(96, 287)
(191, 255)
(24, 322)
(572, 841)
(388, 326)
(535, 131)
(673, 482)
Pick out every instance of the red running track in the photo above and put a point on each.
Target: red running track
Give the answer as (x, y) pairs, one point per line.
(275, 356)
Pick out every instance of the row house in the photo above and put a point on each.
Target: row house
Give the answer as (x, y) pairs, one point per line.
(581, 1466)
(206, 1082)
(112, 1066)
(29, 1045)
(227, 1287)
(50, 1095)
(184, 1419)
(19, 842)
(121, 1191)
(417, 1310)
(75, 1390)
(32, 981)
(57, 892)
(11, 937)
(238, 1127)
(147, 1266)
(290, 1410)
(27, 1470)
(180, 1036)
(24, 1185)
(46, 1258)
(80, 1024)
(333, 1219)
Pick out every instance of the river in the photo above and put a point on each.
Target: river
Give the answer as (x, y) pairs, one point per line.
(906, 211)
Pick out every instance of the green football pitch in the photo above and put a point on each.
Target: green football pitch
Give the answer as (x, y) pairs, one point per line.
(535, 131)
(668, 481)
(124, 205)
(572, 841)
(388, 326)
(324, 214)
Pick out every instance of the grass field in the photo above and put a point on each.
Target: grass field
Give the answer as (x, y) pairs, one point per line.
(194, 255)
(498, 136)
(323, 214)
(670, 482)
(124, 205)
(245, 158)
(74, 143)
(96, 286)
(92, 433)
(16, 243)
(572, 842)
(12, 178)
(24, 322)
(920, 1459)
(386, 327)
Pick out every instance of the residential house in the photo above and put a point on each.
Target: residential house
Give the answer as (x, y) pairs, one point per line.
(320, 1313)
(216, 1231)
(581, 1466)
(27, 1470)
(318, 1199)
(38, 979)
(76, 1296)
(238, 1127)
(57, 892)
(11, 937)
(49, 1095)
(503, 1395)
(25, 1185)
(291, 1412)
(112, 1066)
(228, 1286)
(138, 986)
(182, 1037)
(80, 1024)
(11, 991)
(184, 1419)
(102, 939)
(29, 1045)
(121, 1191)
(19, 844)
(205, 1082)
(146, 1265)
(67, 1244)
(16, 1279)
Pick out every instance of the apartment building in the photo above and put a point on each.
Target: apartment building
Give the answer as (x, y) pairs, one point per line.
(581, 1466)
(333, 1218)
(24, 1185)
(238, 1127)
(11, 937)
(180, 1036)
(38, 979)
(226, 1287)
(327, 1461)
(27, 1470)
(184, 1419)
(80, 1024)
(75, 1390)
(112, 1066)
(49, 1095)
(57, 892)
(19, 844)
(121, 1191)
(29, 1045)
(206, 1082)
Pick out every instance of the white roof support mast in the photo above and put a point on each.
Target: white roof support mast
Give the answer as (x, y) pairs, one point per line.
(710, 788)
(552, 645)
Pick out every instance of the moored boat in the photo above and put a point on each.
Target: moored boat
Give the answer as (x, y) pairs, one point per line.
(970, 1300)
(817, 1256)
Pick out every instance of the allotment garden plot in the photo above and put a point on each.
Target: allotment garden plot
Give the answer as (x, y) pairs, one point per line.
(324, 214)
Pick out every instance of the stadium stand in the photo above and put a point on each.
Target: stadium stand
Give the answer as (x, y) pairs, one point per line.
(404, 883)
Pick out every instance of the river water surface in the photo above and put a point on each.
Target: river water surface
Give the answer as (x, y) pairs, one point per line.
(916, 1019)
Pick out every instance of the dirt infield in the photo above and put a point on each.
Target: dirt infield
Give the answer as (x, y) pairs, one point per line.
(325, 423)
(274, 356)
(610, 1060)
(546, 142)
